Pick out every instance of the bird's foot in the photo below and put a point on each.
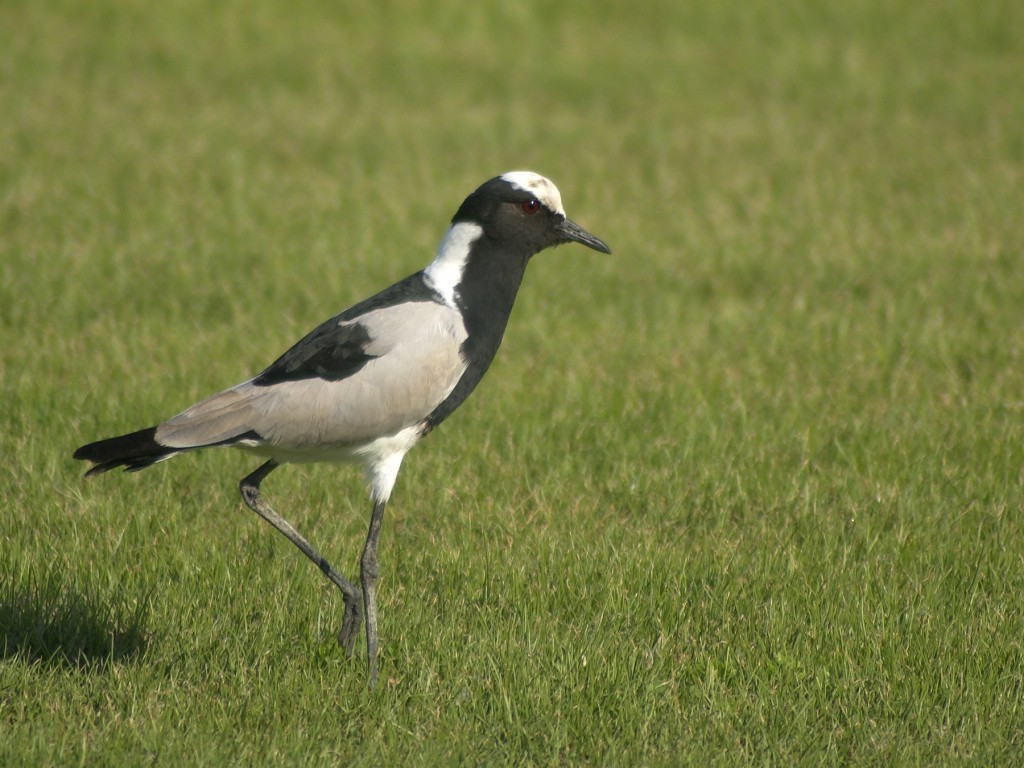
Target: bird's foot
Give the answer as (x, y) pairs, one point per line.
(350, 624)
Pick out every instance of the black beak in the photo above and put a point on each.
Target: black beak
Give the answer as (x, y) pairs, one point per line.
(575, 233)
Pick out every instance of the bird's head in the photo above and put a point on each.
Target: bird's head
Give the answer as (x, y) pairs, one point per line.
(523, 210)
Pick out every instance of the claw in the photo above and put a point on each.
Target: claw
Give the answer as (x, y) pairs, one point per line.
(350, 624)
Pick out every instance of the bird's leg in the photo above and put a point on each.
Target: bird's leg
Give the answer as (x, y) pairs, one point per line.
(250, 488)
(368, 576)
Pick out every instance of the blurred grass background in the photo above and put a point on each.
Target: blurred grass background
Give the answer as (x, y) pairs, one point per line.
(749, 490)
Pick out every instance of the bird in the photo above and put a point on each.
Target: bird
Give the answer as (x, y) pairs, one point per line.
(368, 384)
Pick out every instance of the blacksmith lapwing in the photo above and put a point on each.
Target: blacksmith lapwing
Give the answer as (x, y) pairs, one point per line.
(371, 382)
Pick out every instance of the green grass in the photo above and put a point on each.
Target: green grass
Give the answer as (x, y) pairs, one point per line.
(747, 492)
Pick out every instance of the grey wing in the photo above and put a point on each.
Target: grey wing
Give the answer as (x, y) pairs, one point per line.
(388, 370)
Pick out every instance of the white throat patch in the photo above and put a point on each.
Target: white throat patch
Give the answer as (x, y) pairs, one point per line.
(545, 191)
(444, 273)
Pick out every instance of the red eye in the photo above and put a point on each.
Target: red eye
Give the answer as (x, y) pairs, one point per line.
(531, 206)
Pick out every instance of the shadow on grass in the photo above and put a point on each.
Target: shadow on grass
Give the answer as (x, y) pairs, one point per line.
(56, 625)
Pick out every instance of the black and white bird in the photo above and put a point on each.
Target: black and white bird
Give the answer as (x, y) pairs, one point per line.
(368, 384)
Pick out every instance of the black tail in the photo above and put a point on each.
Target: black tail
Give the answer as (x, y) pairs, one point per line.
(133, 452)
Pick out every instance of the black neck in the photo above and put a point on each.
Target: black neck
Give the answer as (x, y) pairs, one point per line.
(485, 295)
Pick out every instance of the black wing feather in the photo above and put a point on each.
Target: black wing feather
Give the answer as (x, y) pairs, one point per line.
(336, 349)
(331, 352)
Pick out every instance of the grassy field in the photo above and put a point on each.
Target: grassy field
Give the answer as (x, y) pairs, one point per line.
(749, 491)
